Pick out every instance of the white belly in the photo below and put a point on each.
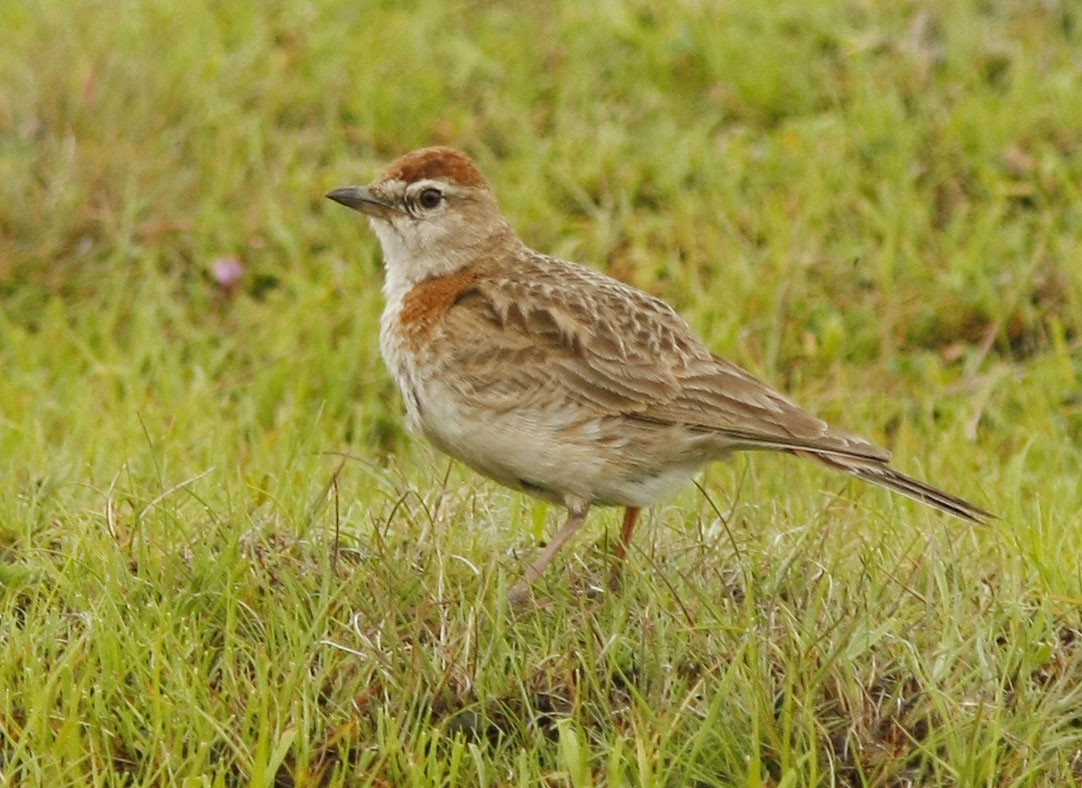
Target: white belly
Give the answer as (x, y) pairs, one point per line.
(555, 454)
(547, 454)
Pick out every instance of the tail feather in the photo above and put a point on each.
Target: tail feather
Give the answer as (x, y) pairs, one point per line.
(881, 474)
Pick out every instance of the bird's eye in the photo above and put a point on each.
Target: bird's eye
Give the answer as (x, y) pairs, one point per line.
(430, 198)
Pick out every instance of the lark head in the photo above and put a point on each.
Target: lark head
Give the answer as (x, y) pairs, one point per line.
(432, 210)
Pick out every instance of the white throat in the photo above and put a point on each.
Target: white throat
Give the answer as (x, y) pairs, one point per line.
(409, 258)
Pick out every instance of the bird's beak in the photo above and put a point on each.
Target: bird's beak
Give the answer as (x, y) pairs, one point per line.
(361, 198)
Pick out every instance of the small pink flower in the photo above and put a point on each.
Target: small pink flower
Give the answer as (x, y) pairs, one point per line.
(227, 272)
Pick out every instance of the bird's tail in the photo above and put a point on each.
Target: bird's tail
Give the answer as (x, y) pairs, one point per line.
(883, 475)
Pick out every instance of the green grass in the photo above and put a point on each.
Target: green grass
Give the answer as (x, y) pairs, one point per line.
(223, 561)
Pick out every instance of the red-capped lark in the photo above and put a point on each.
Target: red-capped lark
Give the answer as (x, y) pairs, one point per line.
(557, 380)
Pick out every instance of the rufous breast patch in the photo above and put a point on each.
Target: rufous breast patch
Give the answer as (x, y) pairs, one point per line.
(426, 304)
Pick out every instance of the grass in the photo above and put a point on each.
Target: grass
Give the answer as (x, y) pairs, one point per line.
(223, 560)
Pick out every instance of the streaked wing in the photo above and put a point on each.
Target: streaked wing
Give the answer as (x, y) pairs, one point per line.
(535, 342)
(557, 333)
(717, 395)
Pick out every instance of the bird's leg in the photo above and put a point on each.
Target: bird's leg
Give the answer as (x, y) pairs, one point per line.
(631, 516)
(576, 516)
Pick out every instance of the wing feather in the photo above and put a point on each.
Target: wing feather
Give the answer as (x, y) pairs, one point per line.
(557, 333)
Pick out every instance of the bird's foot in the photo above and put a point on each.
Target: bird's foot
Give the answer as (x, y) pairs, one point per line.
(521, 598)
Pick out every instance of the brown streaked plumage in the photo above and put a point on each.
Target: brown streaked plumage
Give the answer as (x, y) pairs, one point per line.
(560, 381)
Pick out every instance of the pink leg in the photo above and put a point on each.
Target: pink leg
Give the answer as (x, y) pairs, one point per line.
(576, 516)
(631, 516)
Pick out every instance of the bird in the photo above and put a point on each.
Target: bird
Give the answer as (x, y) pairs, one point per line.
(559, 381)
